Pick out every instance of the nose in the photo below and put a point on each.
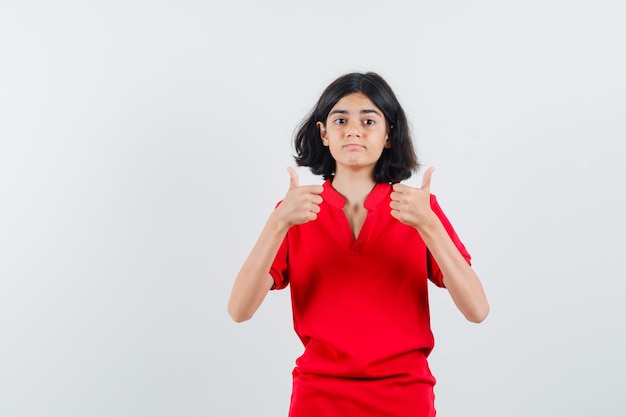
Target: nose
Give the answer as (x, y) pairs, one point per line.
(354, 128)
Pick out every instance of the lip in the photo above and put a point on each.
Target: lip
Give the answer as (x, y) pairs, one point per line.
(353, 146)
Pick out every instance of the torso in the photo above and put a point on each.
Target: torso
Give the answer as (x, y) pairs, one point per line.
(360, 307)
(360, 304)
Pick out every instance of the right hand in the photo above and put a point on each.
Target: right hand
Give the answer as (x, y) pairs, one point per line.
(301, 203)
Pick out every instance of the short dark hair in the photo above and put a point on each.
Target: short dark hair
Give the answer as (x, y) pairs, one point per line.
(395, 164)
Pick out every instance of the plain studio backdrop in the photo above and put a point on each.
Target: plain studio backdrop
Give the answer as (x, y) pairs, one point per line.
(143, 144)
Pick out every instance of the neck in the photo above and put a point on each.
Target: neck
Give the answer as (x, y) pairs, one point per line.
(354, 186)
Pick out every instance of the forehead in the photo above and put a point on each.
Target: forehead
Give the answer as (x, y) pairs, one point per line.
(355, 102)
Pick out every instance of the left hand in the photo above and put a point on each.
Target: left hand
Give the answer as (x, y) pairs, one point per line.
(411, 206)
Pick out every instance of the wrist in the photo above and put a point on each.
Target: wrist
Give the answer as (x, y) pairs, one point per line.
(277, 223)
(428, 223)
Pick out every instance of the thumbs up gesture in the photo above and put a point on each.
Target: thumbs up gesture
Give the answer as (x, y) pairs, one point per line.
(411, 206)
(301, 203)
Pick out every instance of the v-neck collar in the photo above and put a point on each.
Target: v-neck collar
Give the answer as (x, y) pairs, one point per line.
(375, 197)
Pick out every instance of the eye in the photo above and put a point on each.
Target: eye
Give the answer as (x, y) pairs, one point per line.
(369, 122)
(339, 121)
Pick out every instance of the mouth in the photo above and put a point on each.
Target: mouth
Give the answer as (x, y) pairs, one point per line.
(353, 146)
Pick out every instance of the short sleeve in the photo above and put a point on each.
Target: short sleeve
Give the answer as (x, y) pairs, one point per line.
(280, 267)
(434, 272)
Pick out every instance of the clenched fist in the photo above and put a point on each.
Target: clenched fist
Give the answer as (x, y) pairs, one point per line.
(301, 203)
(411, 206)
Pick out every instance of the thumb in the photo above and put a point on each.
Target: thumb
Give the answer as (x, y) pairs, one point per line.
(426, 179)
(293, 178)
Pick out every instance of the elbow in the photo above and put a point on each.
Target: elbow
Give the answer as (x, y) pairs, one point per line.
(237, 315)
(478, 315)
(240, 319)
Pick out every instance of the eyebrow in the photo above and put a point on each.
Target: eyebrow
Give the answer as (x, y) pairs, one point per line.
(364, 111)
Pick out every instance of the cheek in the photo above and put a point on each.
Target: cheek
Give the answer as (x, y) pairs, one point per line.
(332, 130)
(334, 148)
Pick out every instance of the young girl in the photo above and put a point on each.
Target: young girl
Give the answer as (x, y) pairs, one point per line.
(357, 252)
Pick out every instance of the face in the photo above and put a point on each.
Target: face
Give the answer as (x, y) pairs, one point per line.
(356, 133)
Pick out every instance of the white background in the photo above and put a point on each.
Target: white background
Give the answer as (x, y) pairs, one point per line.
(144, 143)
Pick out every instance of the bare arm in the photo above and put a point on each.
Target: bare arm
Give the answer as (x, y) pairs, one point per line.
(458, 276)
(300, 205)
(253, 280)
(412, 207)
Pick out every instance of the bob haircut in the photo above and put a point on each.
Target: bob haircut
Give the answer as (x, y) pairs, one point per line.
(394, 165)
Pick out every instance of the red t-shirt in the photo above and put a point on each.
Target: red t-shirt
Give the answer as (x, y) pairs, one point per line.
(360, 306)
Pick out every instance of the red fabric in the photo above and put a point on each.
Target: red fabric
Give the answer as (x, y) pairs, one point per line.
(360, 307)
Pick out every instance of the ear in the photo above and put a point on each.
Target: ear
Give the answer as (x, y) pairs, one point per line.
(322, 129)
(387, 140)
